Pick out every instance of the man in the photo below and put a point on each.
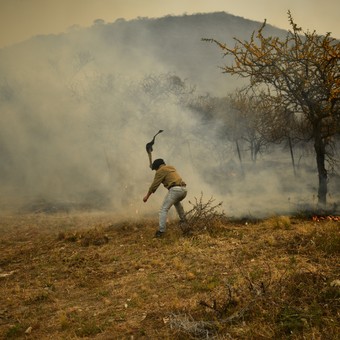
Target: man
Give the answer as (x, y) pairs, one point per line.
(177, 191)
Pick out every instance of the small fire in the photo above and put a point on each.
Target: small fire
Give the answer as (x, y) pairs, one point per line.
(326, 218)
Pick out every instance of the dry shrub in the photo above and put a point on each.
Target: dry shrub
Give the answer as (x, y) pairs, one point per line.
(280, 222)
(204, 216)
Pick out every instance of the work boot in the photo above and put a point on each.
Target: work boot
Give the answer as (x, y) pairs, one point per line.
(159, 234)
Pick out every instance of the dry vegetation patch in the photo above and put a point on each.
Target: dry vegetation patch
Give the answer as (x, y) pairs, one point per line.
(69, 276)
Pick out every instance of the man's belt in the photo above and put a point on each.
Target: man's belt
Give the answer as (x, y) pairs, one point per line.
(177, 185)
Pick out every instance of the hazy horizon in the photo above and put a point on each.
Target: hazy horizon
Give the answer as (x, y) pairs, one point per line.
(21, 20)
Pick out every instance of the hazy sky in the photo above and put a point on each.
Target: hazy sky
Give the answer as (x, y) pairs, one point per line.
(22, 19)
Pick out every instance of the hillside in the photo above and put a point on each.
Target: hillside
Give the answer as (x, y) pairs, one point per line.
(92, 276)
(144, 45)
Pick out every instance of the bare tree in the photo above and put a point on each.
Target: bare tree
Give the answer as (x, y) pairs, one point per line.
(251, 117)
(163, 86)
(302, 73)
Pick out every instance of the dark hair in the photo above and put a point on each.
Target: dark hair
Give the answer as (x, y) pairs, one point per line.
(157, 163)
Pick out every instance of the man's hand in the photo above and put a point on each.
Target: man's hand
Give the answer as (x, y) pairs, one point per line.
(146, 197)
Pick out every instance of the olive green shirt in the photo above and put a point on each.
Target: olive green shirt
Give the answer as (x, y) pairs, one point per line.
(167, 175)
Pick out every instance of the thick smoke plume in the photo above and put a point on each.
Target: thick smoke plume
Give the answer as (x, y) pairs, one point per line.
(77, 110)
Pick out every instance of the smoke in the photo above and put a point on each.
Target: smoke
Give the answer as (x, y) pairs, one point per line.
(77, 111)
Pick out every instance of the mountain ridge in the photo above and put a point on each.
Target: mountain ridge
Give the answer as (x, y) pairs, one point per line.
(174, 41)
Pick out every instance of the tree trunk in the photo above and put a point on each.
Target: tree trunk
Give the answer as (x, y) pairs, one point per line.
(240, 158)
(320, 151)
(292, 155)
(252, 151)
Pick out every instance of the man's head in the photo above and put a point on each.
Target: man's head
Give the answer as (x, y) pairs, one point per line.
(157, 163)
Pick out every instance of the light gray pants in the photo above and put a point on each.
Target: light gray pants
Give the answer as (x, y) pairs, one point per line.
(174, 197)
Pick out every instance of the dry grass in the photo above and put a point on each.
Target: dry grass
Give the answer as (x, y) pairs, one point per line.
(90, 276)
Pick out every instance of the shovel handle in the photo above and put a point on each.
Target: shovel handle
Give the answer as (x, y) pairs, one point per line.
(150, 159)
